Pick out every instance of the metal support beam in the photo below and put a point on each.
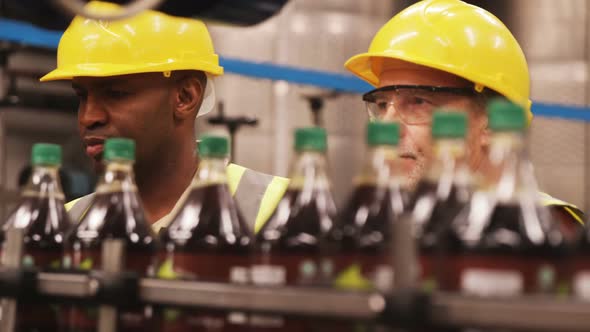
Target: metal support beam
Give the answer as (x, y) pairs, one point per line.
(112, 261)
(11, 258)
(529, 313)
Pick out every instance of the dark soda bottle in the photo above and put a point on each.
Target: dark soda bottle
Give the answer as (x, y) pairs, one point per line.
(360, 244)
(441, 195)
(362, 236)
(507, 243)
(289, 246)
(207, 240)
(116, 212)
(42, 215)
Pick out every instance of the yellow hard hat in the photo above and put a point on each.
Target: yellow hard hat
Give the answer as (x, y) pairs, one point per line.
(148, 42)
(454, 37)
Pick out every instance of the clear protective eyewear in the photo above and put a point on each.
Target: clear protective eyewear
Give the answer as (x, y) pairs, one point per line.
(410, 104)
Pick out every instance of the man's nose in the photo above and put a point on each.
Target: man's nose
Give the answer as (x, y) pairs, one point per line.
(91, 113)
(391, 114)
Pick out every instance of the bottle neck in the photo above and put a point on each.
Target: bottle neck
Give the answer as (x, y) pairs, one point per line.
(210, 171)
(381, 167)
(118, 176)
(511, 174)
(309, 171)
(449, 158)
(44, 182)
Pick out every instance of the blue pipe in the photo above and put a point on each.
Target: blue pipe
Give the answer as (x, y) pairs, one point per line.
(28, 34)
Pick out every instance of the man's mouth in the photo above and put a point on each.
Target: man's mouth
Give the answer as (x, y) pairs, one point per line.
(407, 155)
(94, 146)
(408, 162)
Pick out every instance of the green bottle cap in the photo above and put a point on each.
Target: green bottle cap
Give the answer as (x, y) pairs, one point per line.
(46, 154)
(213, 146)
(118, 148)
(310, 139)
(504, 115)
(382, 133)
(449, 124)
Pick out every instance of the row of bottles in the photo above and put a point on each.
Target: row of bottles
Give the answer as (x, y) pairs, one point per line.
(482, 235)
(488, 236)
(506, 242)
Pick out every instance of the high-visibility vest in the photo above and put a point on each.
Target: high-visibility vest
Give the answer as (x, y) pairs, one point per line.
(571, 209)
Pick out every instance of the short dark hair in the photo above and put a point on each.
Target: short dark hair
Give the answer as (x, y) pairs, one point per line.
(202, 79)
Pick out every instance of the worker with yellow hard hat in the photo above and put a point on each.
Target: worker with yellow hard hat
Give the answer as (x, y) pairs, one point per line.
(445, 53)
(148, 77)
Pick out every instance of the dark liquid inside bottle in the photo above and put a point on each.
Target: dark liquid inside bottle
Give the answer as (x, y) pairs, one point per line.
(208, 240)
(436, 238)
(360, 248)
(107, 218)
(512, 256)
(365, 240)
(289, 251)
(47, 222)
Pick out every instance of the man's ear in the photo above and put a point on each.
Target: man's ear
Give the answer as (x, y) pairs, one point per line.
(189, 95)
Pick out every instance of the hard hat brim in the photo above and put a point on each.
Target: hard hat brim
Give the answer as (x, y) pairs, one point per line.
(361, 66)
(109, 69)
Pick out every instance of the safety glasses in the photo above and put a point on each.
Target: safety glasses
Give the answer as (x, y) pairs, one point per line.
(411, 104)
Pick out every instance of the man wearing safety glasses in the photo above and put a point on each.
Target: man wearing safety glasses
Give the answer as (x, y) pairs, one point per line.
(447, 53)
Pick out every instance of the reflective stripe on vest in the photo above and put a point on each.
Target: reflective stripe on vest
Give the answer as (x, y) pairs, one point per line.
(571, 209)
(234, 175)
(78, 207)
(257, 195)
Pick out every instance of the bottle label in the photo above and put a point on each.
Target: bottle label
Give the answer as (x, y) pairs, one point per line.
(239, 275)
(368, 271)
(581, 285)
(269, 275)
(205, 267)
(486, 282)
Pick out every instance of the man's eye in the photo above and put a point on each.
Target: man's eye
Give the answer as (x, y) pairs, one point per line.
(419, 101)
(382, 104)
(117, 93)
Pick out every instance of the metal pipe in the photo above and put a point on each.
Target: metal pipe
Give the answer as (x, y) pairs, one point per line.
(287, 300)
(530, 313)
(65, 284)
(112, 261)
(11, 258)
(404, 253)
